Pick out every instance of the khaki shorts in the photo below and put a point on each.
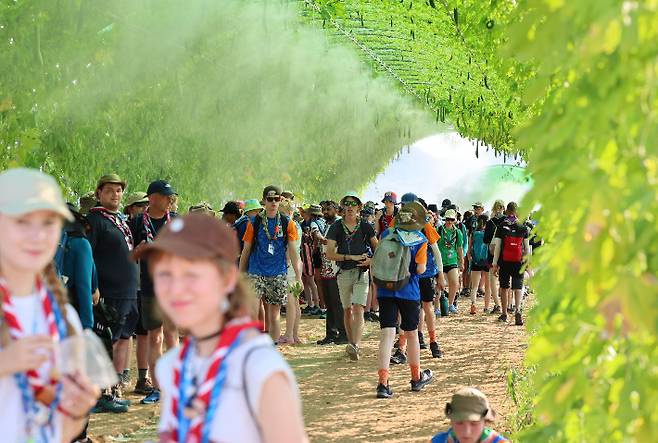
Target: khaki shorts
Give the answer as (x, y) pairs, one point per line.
(353, 287)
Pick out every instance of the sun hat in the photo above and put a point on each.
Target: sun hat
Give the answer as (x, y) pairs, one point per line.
(469, 404)
(288, 194)
(24, 190)
(111, 178)
(135, 198)
(478, 204)
(251, 205)
(450, 213)
(314, 210)
(351, 194)
(194, 236)
(390, 197)
(410, 217)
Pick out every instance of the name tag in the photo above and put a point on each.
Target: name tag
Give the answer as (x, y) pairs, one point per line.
(270, 249)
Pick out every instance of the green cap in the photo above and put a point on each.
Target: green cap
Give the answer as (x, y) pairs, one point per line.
(111, 178)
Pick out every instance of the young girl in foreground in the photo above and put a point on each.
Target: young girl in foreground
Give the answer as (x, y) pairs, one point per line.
(227, 382)
(38, 404)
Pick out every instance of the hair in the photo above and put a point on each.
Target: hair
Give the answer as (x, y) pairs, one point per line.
(512, 207)
(482, 222)
(498, 206)
(54, 284)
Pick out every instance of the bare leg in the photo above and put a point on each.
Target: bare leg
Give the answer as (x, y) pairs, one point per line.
(155, 337)
(357, 324)
(273, 312)
(493, 286)
(142, 352)
(453, 282)
(120, 351)
(428, 309)
(170, 334)
(347, 313)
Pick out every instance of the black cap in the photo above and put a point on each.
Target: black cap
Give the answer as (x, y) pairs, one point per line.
(446, 203)
(231, 208)
(160, 187)
(271, 191)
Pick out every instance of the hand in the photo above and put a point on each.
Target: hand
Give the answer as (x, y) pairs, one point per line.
(378, 215)
(299, 283)
(461, 265)
(364, 263)
(140, 245)
(324, 241)
(440, 282)
(495, 269)
(95, 297)
(78, 396)
(25, 354)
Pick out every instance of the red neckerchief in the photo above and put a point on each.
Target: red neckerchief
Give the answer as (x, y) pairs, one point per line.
(148, 225)
(202, 397)
(117, 221)
(43, 390)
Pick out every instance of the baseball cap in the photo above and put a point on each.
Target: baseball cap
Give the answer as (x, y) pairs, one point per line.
(478, 204)
(111, 178)
(135, 198)
(391, 197)
(469, 404)
(450, 213)
(232, 208)
(252, 204)
(271, 191)
(194, 236)
(25, 190)
(409, 197)
(160, 187)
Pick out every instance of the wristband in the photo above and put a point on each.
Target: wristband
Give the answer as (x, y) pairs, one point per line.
(71, 416)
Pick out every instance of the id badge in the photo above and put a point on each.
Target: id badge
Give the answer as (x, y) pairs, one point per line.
(270, 249)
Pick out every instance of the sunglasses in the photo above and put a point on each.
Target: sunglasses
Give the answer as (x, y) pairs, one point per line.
(273, 199)
(450, 219)
(350, 203)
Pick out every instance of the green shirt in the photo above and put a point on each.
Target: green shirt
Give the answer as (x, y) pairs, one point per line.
(451, 239)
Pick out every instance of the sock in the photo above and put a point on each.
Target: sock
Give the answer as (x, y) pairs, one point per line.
(143, 373)
(403, 342)
(383, 376)
(432, 335)
(415, 372)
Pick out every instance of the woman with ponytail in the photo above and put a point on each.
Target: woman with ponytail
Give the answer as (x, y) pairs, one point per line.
(227, 382)
(39, 404)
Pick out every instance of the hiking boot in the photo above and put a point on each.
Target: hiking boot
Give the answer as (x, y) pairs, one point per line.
(108, 404)
(421, 340)
(384, 391)
(503, 318)
(518, 319)
(341, 340)
(144, 386)
(495, 310)
(151, 398)
(352, 351)
(436, 352)
(453, 309)
(398, 358)
(326, 341)
(473, 309)
(425, 379)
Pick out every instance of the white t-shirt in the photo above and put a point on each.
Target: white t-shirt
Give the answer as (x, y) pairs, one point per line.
(233, 420)
(13, 420)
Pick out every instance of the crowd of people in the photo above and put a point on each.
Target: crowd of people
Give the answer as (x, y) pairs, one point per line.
(204, 286)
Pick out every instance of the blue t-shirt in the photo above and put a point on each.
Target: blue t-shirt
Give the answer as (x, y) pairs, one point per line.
(268, 258)
(488, 436)
(411, 291)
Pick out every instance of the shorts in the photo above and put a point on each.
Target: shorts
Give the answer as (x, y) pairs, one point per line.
(448, 268)
(479, 267)
(272, 290)
(139, 328)
(509, 270)
(427, 285)
(317, 259)
(409, 311)
(127, 316)
(151, 314)
(353, 287)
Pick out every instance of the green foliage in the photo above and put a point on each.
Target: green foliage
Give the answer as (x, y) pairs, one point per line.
(222, 98)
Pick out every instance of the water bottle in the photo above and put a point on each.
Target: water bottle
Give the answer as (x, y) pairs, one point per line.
(443, 302)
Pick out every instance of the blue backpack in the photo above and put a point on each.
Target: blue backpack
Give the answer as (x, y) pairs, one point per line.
(480, 249)
(62, 249)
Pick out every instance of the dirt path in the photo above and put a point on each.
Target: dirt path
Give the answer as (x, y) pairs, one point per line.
(339, 395)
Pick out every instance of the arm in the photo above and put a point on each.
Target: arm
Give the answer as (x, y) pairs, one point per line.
(296, 261)
(279, 412)
(83, 264)
(527, 247)
(439, 264)
(332, 252)
(248, 239)
(496, 255)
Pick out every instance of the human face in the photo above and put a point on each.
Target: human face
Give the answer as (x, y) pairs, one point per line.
(136, 209)
(191, 292)
(159, 202)
(468, 431)
(450, 223)
(352, 207)
(110, 196)
(272, 204)
(29, 241)
(478, 211)
(390, 207)
(329, 212)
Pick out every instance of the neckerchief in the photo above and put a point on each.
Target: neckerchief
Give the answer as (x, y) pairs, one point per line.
(194, 405)
(488, 436)
(148, 225)
(277, 227)
(449, 241)
(31, 383)
(350, 234)
(117, 221)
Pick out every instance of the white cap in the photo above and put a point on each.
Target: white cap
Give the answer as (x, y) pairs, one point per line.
(24, 190)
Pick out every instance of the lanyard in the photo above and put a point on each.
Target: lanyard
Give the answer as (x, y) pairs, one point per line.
(277, 228)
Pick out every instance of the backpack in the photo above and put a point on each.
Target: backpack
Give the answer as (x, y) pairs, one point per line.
(512, 246)
(284, 227)
(390, 264)
(62, 248)
(480, 250)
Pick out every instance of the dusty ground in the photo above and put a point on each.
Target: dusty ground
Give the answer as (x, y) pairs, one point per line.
(339, 395)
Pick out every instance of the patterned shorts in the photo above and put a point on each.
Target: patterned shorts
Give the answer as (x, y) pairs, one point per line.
(272, 290)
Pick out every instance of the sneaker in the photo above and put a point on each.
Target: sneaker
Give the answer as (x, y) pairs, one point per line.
(323, 314)
(352, 351)
(144, 386)
(326, 341)
(480, 293)
(425, 379)
(437, 312)
(116, 391)
(510, 309)
(421, 340)
(518, 319)
(108, 404)
(398, 358)
(307, 310)
(503, 317)
(436, 352)
(123, 401)
(374, 316)
(341, 340)
(473, 309)
(151, 398)
(452, 309)
(495, 310)
(366, 316)
(384, 391)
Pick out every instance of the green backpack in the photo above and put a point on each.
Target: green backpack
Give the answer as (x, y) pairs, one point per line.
(390, 263)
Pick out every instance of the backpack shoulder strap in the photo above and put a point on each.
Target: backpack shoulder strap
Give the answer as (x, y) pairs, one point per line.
(256, 225)
(285, 221)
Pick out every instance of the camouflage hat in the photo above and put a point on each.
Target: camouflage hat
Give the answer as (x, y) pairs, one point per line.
(87, 202)
(135, 198)
(111, 178)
